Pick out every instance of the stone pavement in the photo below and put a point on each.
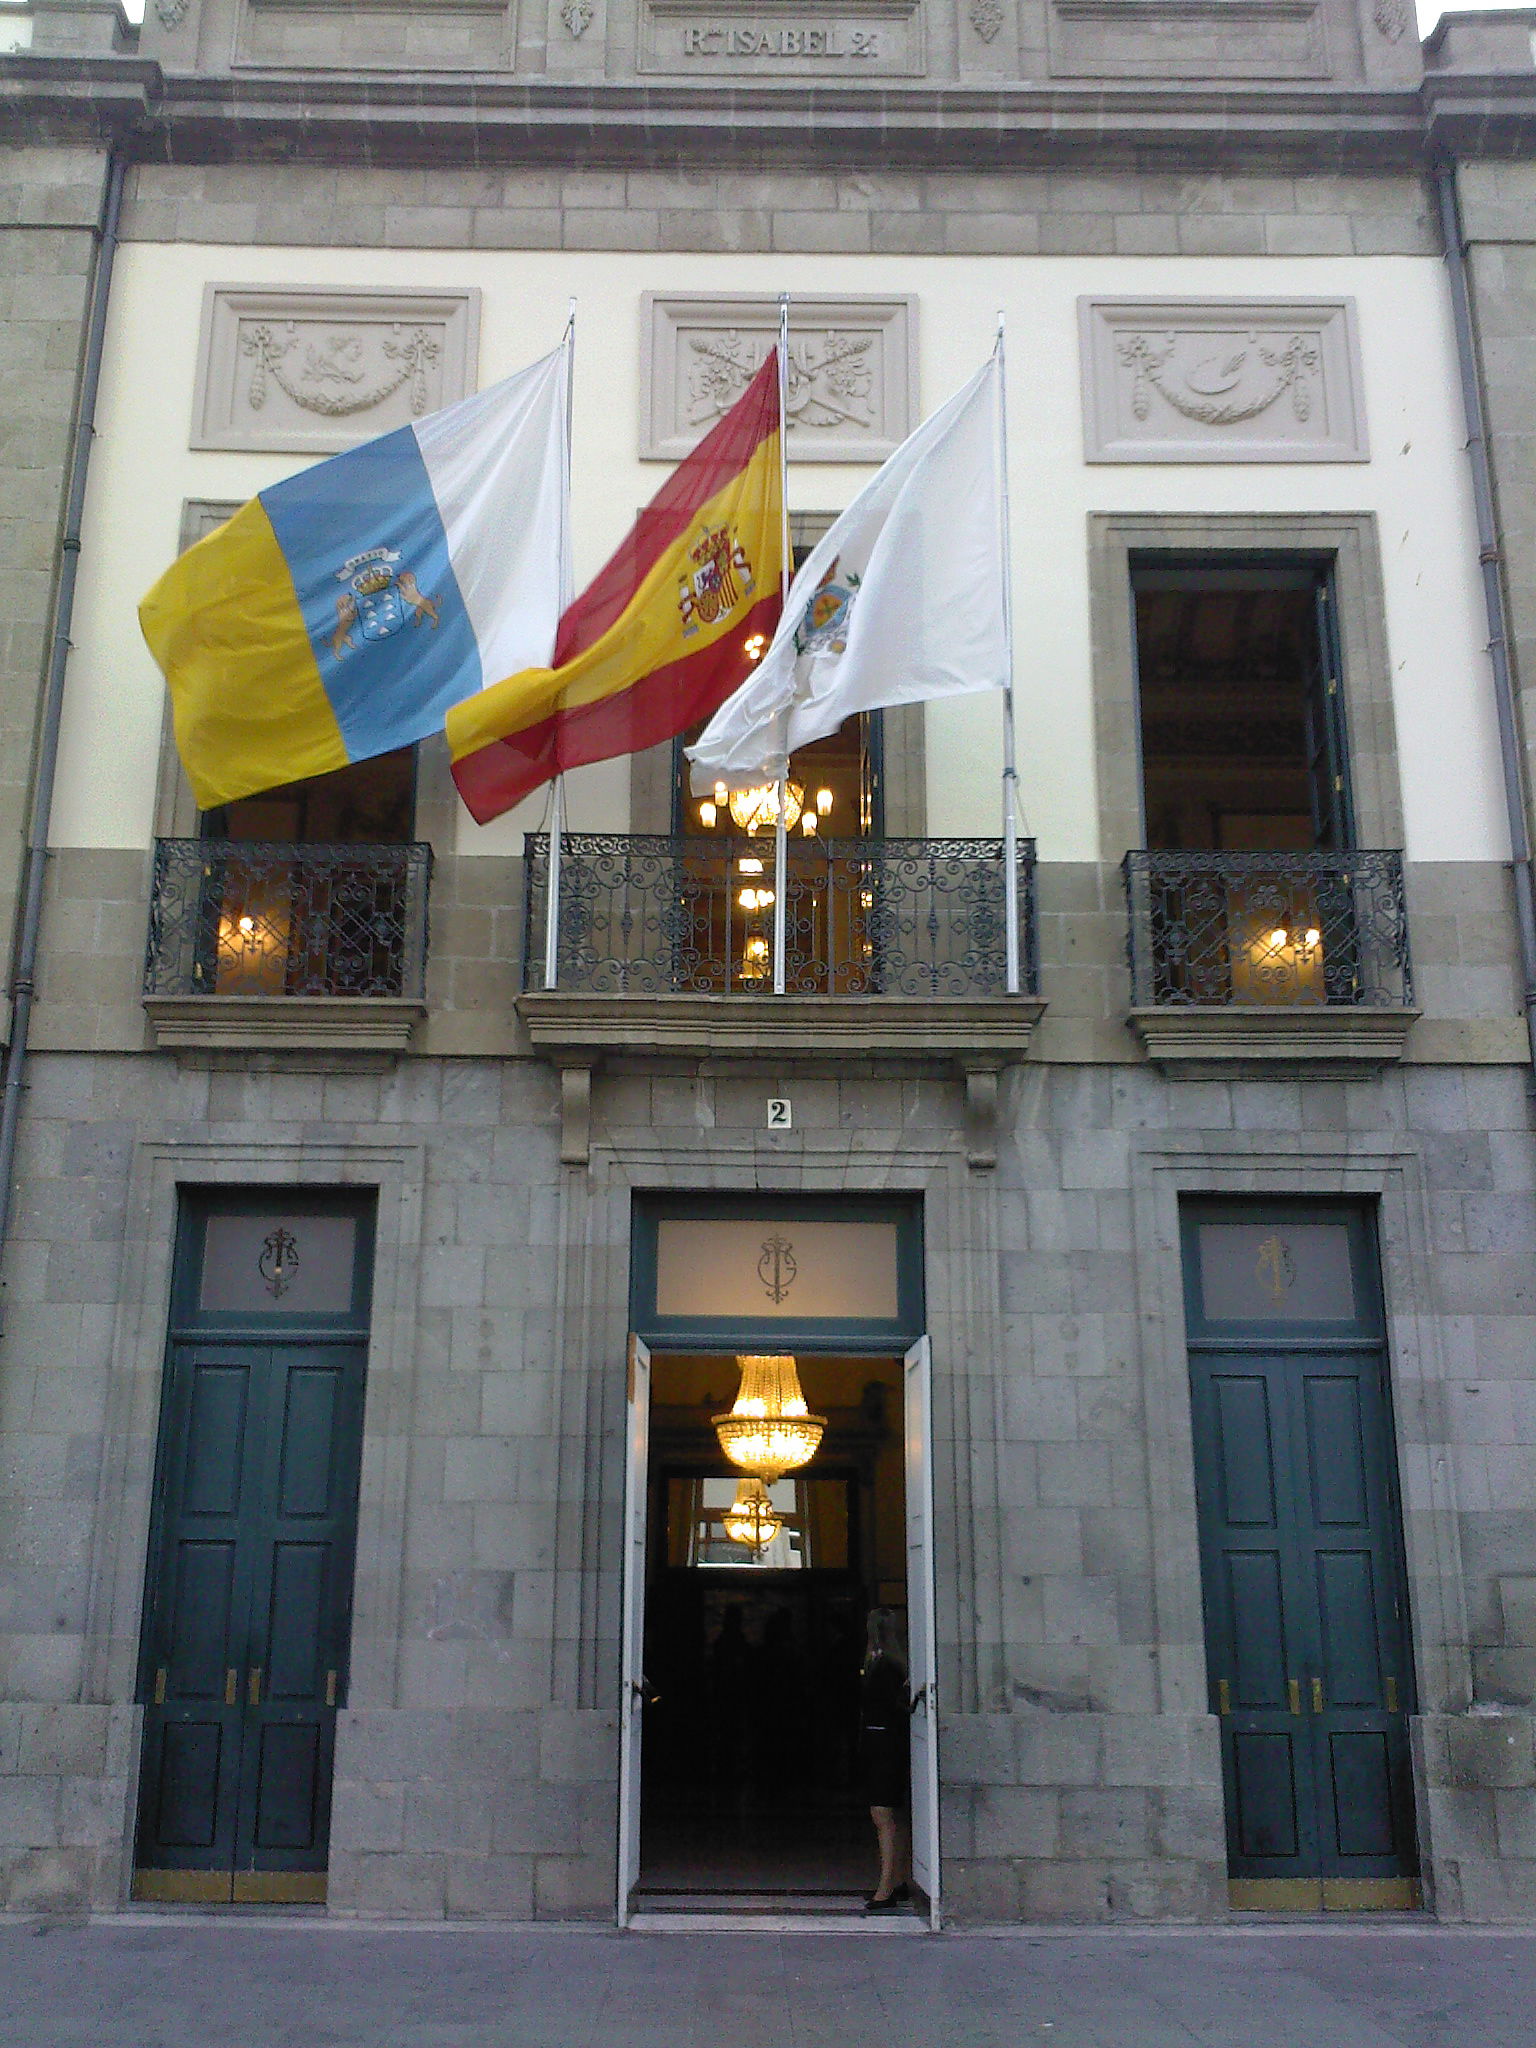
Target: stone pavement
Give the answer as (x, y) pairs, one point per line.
(161, 1982)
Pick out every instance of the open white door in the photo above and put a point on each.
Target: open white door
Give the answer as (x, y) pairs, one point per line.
(631, 1672)
(918, 1402)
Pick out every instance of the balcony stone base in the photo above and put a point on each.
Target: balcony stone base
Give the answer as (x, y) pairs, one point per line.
(380, 1025)
(976, 1036)
(1314, 1043)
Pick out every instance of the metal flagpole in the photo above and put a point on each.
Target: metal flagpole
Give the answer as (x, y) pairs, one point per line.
(786, 563)
(1010, 768)
(557, 806)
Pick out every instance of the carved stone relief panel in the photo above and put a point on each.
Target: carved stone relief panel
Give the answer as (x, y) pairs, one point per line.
(202, 516)
(1233, 380)
(852, 371)
(307, 371)
(839, 40)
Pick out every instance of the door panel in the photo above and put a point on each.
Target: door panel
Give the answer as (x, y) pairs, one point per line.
(1301, 1564)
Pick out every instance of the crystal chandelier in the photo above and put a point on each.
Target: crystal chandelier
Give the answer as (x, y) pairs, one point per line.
(750, 1519)
(757, 810)
(769, 1431)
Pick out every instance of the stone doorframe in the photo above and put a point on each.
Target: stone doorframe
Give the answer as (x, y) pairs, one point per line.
(1321, 1165)
(124, 1495)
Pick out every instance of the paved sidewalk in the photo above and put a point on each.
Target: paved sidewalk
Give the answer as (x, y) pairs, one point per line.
(164, 1983)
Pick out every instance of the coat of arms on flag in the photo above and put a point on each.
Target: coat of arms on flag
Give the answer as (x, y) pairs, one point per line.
(378, 596)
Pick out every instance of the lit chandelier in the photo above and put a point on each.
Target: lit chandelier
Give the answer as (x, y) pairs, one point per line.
(757, 810)
(750, 1519)
(769, 1431)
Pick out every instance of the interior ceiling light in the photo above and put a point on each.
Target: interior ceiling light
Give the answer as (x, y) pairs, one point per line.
(757, 810)
(750, 1519)
(770, 1431)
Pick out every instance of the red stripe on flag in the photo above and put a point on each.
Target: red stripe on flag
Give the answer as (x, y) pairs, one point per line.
(661, 704)
(724, 451)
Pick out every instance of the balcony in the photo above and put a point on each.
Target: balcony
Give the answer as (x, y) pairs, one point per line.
(257, 945)
(895, 949)
(1282, 959)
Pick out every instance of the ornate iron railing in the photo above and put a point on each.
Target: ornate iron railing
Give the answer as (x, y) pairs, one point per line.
(233, 917)
(1214, 930)
(646, 914)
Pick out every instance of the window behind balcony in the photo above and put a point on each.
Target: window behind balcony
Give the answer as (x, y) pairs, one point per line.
(307, 889)
(1242, 740)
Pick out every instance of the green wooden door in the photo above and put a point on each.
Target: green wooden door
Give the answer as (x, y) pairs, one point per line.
(1305, 1607)
(247, 1631)
(248, 1603)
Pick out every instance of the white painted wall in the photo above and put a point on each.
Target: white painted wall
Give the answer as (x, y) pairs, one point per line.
(1416, 483)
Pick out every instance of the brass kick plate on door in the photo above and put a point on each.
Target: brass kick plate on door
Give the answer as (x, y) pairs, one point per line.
(160, 1687)
(1317, 1695)
(1223, 1696)
(1293, 1687)
(181, 1887)
(330, 1688)
(229, 1686)
(1391, 1695)
(279, 1888)
(253, 1693)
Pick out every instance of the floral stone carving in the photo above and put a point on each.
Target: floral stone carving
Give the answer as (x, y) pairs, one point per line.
(315, 371)
(1237, 380)
(986, 17)
(851, 370)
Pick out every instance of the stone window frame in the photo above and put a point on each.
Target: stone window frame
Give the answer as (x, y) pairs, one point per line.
(1347, 543)
(904, 741)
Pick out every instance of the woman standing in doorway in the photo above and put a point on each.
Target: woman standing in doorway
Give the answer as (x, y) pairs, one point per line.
(885, 1755)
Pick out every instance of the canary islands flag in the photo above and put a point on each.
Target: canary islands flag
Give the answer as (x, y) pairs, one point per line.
(341, 613)
(662, 636)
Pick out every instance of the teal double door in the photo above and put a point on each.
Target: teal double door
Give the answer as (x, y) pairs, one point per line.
(1306, 1617)
(247, 1621)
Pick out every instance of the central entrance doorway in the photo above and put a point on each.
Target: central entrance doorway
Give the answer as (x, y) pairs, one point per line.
(740, 1779)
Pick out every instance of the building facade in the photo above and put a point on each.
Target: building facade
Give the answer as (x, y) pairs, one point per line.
(374, 1275)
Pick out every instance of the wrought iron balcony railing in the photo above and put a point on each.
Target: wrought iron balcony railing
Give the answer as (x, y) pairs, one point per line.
(646, 914)
(237, 918)
(1220, 930)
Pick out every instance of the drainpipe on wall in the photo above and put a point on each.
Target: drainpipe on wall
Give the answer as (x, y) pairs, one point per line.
(1490, 556)
(83, 433)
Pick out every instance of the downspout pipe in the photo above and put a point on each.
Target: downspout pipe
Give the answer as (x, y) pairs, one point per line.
(1490, 555)
(23, 986)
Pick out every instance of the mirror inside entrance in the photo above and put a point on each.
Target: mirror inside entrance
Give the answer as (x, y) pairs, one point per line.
(756, 1597)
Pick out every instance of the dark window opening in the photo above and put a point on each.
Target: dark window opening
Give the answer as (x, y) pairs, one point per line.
(367, 803)
(1242, 740)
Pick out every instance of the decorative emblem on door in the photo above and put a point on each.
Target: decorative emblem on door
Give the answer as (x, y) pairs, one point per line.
(776, 1268)
(1275, 1269)
(279, 1261)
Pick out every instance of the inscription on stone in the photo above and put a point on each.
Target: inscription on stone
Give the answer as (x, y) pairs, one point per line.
(856, 39)
(721, 39)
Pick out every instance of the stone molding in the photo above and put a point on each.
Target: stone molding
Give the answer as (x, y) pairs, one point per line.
(1234, 380)
(976, 1039)
(355, 1024)
(1316, 1044)
(202, 516)
(307, 371)
(853, 370)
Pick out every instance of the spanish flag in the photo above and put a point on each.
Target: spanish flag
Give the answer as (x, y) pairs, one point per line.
(664, 634)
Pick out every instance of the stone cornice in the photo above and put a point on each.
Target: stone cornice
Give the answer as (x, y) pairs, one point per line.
(275, 116)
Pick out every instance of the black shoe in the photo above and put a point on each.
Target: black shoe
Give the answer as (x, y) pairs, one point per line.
(890, 1904)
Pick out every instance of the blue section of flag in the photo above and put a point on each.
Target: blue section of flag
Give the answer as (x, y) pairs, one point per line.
(365, 545)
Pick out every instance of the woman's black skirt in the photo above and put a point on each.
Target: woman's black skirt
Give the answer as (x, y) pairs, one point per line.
(885, 1766)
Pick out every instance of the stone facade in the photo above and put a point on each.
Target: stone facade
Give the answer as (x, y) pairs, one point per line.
(477, 1754)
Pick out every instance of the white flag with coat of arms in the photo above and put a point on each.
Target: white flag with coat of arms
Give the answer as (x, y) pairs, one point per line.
(902, 600)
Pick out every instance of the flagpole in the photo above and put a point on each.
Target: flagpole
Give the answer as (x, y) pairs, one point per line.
(557, 806)
(1010, 766)
(786, 562)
